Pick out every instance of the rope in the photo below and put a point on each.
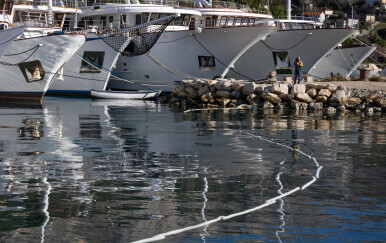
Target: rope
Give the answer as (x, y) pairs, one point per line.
(166, 68)
(11, 64)
(164, 42)
(9, 39)
(15, 54)
(348, 64)
(232, 69)
(383, 54)
(289, 48)
(266, 204)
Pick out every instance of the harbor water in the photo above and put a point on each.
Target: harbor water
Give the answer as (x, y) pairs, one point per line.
(81, 170)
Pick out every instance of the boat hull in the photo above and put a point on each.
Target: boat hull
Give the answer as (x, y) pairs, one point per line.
(181, 52)
(344, 61)
(27, 76)
(78, 79)
(127, 95)
(310, 44)
(7, 36)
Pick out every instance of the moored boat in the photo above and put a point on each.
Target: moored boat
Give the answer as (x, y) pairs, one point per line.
(127, 95)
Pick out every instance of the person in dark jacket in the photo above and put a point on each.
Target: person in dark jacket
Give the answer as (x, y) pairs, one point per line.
(298, 69)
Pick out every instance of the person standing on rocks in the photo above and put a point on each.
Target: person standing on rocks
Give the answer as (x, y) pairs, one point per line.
(298, 69)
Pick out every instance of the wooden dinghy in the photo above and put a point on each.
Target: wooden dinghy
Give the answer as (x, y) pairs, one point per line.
(127, 95)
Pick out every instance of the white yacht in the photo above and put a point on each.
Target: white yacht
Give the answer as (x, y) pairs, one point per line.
(297, 37)
(80, 76)
(196, 46)
(31, 61)
(7, 35)
(342, 60)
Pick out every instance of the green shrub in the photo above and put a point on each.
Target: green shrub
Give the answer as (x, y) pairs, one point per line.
(375, 78)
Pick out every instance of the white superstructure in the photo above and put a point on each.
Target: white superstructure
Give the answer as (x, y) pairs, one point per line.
(204, 46)
(342, 60)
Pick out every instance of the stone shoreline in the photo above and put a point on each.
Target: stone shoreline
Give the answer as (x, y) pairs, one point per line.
(224, 93)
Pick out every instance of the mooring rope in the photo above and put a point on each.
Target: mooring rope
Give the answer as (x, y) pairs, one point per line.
(383, 54)
(16, 64)
(348, 64)
(289, 48)
(148, 54)
(266, 204)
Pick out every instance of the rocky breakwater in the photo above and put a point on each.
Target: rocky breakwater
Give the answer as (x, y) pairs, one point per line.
(223, 93)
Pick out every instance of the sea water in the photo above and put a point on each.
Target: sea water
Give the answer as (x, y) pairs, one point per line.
(80, 170)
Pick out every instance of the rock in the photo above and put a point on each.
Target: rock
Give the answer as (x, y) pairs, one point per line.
(330, 110)
(369, 110)
(226, 85)
(203, 90)
(280, 106)
(312, 92)
(207, 98)
(380, 101)
(267, 105)
(223, 94)
(303, 97)
(253, 99)
(316, 106)
(212, 89)
(236, 94)
(210, 82)
(223, 102)
(298, 88)
(338, 98)
(377, 109)
(321, 98)
(236, 86)
(180, 87)
(315, 86)
(279, 89)
(324, 92)
(297, 105)
(341, 108)
(199, 84)
(192, 94)
(218, 85)
(190, 90)
(182, 95)
(273, 98)
(353, 101)
(330, 87)
(248, 88)
(286, 97)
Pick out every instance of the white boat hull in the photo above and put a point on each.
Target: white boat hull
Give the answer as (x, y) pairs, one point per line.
(75, 80)
(179, 51)
(7, 36)
(27, 76)
(310, 44)
(344, 61)
(127, 95)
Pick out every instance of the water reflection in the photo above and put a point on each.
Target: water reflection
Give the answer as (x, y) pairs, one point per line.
(136, 169)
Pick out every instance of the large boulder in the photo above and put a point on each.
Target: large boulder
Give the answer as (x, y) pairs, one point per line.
(279, 88)
(380, 101)
(236, 94)
(312, 92)
(321, 98)
(226, 85)
(203, 90)
(297, 105)
(303, 97)
(248, 88)
(338, 98)
(199, 84)
(315, 86)
(192, 93)
(223, 94)
(210, 82)
(330, 110)
(273, 98)
(207, 98)
(182, 95)
(253, 99)
(324, 92)
(330, 87)
(236, 86)
(180, 87)
(286, 97)
(190, 90)
(297, 89)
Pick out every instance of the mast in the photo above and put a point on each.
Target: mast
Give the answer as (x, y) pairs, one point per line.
(49, 6)
(288, 9)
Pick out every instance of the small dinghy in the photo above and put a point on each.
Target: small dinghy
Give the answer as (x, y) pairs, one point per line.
(127, 95)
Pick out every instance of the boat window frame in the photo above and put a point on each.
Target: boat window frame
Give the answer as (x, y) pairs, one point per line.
(225, 19)
(233, 22)
(241, 21)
